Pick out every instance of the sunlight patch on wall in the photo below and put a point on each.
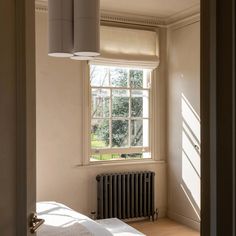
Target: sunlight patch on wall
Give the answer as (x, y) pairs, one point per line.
(190, 151)
(191, 163)
(197, 211)
(191, 117)
(191, 180)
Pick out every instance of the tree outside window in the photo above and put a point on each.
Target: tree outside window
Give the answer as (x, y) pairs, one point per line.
(119, 113)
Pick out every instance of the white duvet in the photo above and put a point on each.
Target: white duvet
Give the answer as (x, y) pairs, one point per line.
(61, 220)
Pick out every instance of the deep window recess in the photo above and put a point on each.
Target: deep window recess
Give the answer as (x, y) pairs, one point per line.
(120, 113)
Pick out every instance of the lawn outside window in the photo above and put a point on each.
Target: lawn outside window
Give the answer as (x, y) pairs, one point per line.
(120, 120)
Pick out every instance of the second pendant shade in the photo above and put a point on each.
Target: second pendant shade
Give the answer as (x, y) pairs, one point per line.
(60, 23)
(87, 28)
(74, 28)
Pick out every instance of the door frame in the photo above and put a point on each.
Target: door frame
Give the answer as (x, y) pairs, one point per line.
(218, 117)
(26, 114)
(17, 119)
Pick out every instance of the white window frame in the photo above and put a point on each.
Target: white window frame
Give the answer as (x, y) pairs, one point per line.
(154, 120)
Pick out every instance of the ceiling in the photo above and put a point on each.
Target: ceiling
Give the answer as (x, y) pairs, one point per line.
(150, 8)
(155, 8)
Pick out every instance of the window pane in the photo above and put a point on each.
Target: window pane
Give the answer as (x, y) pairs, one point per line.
(134, 155)
(127, 156)
(119, 77)
(146, 79)
(119, 113)
(139, 133)
(120, 133)
(139, 103)
(99, 76)
(102, 157)
(105, 157)
(100, 103)
(100, 133)
(136, 78)
(95, 158)
(140, 79)
(120, 103)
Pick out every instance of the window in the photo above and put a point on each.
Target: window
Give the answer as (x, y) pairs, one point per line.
(120, 113)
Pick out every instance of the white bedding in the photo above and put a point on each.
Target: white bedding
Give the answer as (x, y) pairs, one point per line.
(61, 220)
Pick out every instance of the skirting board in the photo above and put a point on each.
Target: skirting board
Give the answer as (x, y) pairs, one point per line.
(184, 220)
(162, 212)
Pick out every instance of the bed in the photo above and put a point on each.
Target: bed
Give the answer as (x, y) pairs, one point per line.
(60, 220)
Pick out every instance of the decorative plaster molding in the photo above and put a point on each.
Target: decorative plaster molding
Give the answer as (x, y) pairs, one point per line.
(132, 19)
(125, 18)
(180, 16)
(186, 21)
(41, 5)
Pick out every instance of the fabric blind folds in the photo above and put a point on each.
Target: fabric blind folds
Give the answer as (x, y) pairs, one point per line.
(125, 44)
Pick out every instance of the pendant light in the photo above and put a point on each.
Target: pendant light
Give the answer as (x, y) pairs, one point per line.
(60, 15)
(87, 28)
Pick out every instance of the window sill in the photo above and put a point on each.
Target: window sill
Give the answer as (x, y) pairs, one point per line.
(122, 163)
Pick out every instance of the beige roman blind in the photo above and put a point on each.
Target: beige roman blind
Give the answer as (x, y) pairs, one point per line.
(125, 44)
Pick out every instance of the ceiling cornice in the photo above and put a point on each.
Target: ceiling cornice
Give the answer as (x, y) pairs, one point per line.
(187, 13)
(134, 19)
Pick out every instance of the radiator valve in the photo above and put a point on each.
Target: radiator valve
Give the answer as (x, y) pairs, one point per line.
(93, 215)
(155, 215)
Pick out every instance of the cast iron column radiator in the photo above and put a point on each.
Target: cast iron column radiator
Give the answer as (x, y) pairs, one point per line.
(125, 195)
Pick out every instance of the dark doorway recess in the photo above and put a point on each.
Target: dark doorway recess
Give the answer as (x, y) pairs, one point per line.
(218, 117)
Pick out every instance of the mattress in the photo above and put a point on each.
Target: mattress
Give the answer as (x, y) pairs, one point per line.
(60, 220)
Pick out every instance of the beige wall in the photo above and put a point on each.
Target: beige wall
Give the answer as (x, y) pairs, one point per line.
(59, 134)
(184, 124)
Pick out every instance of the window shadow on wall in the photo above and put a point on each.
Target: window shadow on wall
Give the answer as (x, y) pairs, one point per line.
(191, 176)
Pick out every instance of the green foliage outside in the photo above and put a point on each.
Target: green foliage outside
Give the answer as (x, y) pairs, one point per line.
(120, 108)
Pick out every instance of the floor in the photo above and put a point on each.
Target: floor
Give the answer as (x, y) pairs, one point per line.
(163, 227)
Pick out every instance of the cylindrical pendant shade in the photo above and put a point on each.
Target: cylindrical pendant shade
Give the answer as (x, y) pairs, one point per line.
(87, 28)
(60, 16)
